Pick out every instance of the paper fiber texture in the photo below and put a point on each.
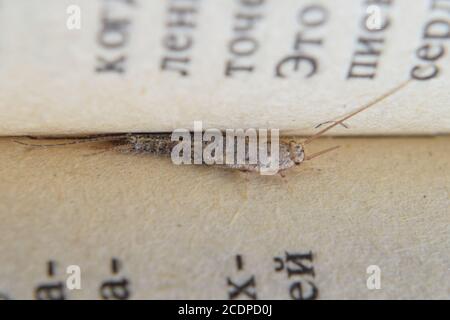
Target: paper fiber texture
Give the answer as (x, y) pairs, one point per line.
(83, 66)
(177, 230)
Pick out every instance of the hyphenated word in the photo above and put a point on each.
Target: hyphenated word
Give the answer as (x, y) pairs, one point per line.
(117, 287)
(52, 289)
(241, 286)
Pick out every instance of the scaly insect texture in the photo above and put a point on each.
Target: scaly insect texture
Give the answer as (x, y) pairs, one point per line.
(160, 144)
(290, 153)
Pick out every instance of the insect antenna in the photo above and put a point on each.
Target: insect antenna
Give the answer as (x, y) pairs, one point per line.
(84, 140)
(71, 137)
(314, 155)
(364, 107)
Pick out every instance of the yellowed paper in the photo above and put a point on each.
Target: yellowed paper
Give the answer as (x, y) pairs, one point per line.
(176, 231)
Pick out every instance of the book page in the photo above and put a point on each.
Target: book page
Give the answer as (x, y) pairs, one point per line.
(369, 222)
(83, 66)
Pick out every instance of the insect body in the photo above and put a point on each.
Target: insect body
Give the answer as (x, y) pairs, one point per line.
(290, 153)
